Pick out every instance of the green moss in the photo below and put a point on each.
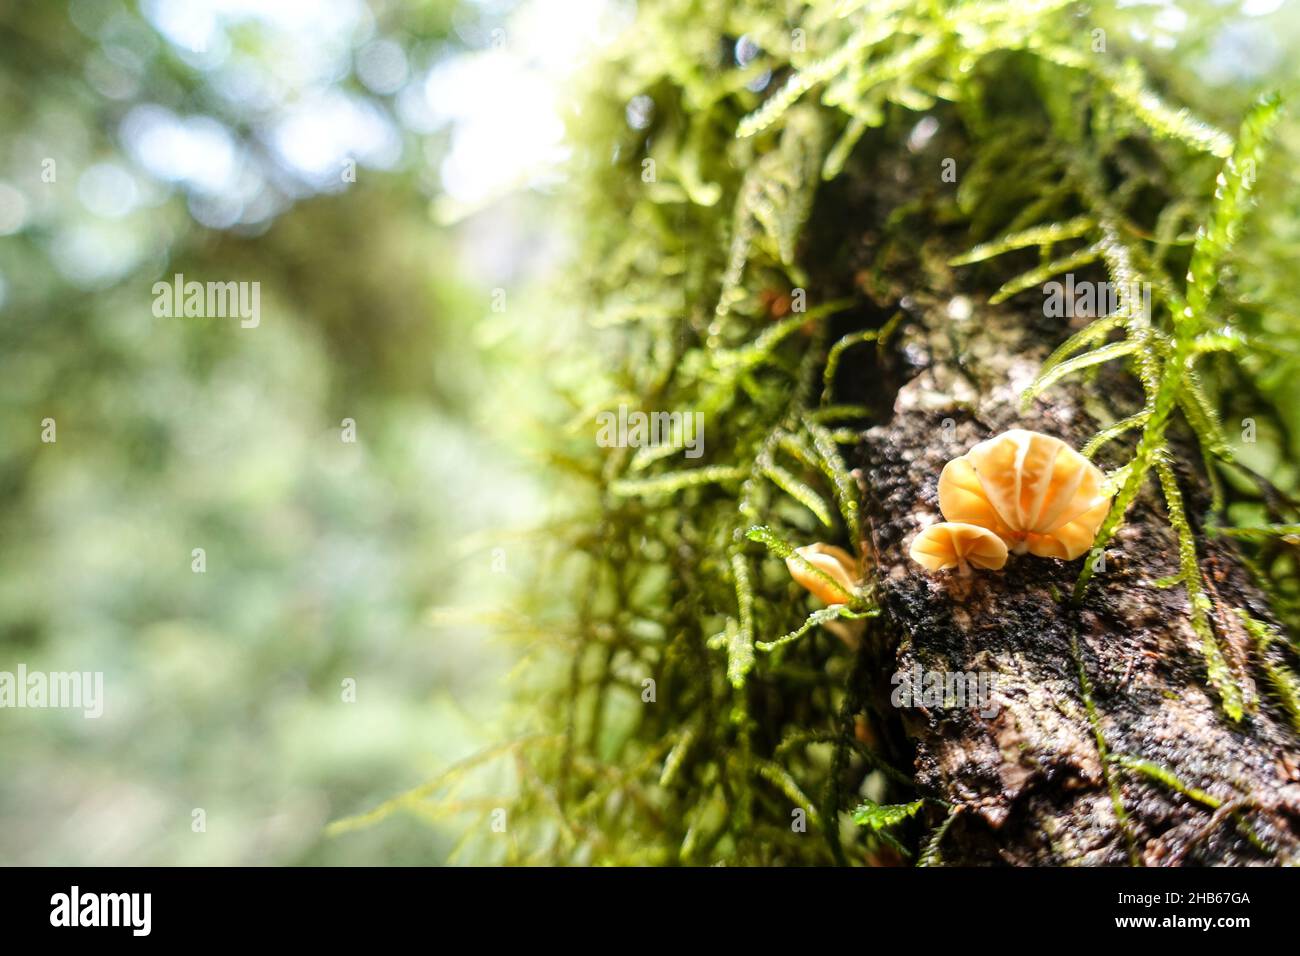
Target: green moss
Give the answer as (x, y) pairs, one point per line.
(695, 249)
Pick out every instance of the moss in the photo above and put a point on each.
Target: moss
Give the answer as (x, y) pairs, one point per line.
(726, 278)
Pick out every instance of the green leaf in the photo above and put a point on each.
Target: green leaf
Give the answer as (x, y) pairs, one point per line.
(1220, 675)
(740, 636)
(846, 489)
(815, 619)
(1234, 185)
(1096, 331)
(1259, 532)
(1040, 274)
(1127, 87)
(675, 481)
(1113, 431)
(1283, 679)
(1167, 777)
(1095, 357)
(1036, 236)
(879, 816)
(800, 492)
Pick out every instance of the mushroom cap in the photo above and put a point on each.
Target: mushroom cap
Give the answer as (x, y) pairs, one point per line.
(1032, 490)
(952, 544)
(835, 562)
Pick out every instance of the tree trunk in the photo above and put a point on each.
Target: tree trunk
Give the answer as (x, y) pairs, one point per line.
(1043, 782)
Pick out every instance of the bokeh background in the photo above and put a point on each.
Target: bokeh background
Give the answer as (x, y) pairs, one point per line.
(389, 173)
(380, 169)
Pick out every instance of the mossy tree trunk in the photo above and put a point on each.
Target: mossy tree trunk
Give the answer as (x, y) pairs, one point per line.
(1108, 746)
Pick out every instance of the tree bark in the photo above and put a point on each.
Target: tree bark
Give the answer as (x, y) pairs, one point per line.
(1030, 785)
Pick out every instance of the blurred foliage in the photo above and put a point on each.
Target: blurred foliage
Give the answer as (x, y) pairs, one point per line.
(211, 139)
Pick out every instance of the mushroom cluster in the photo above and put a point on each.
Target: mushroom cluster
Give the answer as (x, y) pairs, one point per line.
(1018, 492)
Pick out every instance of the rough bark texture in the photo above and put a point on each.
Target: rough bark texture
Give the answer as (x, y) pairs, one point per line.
(1030, 783)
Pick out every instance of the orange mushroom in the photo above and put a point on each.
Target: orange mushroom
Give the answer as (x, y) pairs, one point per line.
(836, 563)
(954, 544)
(1033, 491)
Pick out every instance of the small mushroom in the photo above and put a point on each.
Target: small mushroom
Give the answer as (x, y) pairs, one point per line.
(840, 566)
(954, 544)
(1033, 491)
